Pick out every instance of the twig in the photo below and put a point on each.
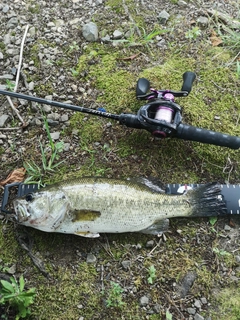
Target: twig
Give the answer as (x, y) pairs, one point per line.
(17, 78)
(10, 129)
(131, 57)
(20, 59)
(15, 110)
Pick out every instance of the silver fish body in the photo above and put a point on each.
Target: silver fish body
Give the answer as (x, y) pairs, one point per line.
(89, 206)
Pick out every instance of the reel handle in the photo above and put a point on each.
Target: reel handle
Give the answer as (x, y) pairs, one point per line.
(188, 78)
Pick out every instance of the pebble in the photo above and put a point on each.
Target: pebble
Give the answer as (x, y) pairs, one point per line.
(150, 244)
(182, 3)
(126, 264)
(5, 9)
(52, 123)
(64, 118)
(144, 300)
(91, 258)
(198, 317)
(227, 227)
(12, 269)
(117, 34)
(157, 308)
(191, 310)
(163, 17)
(46, 108)
(31, 86)
(202, 21)
(4, 119)
(237, 258)
(55, 135)
(66, 146)
(203, 300)
(198, 304)
(90, 31)
(187, 282)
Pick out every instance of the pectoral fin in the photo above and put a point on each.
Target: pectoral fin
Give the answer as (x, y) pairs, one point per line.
(157, 228)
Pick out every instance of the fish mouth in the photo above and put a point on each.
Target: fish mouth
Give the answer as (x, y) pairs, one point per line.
(21, 211)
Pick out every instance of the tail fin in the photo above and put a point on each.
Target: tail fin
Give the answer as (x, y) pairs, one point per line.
(207, 201)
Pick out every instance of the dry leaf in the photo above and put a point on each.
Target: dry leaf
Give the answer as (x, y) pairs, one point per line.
(216, 41)
(16, 176)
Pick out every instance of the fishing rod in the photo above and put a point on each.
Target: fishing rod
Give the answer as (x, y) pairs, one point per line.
(161, 116)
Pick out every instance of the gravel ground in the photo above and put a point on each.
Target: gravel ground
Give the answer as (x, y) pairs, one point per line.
(48, 72)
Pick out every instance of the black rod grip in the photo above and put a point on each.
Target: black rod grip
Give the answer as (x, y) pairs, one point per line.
(187, 132)
(188, 78)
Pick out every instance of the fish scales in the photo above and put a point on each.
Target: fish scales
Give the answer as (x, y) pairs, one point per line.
(90, 206)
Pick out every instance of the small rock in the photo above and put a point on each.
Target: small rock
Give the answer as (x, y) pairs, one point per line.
(54, 116)
(106, 39)
(49, 97)
(203, 300)
(12, 269)
(150, 244)
(52, 123)
(217, 118)
(1, 142)
(117, 34)
(162, 43)
(198, 317)
(182, 3)
(144, 301)
(234, 278)
(36, 122)
(31, 86)
(1, 56)
(237, 258)
(157, 308)
(3, 136)
(13, 22)
(66, 147)
(191, 310)
(55, 135)
(46, 108)
(32, 31)
(91, 258)
(163, 16)
(64, 118)
(90, 31)
(198, 304)
(227, 227)
(187, 282)
(5, 8)
(4, 119)
(126, 264)
(202, 21)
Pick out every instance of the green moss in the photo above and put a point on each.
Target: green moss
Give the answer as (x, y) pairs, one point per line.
(227, 304)
(34, 8)
(2, 46)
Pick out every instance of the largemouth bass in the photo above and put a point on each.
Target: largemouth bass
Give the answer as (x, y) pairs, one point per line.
(89, 206)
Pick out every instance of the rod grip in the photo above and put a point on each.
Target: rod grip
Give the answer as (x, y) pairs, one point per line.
(187, 132)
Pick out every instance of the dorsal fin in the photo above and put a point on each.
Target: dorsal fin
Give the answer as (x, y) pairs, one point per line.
(152, 183)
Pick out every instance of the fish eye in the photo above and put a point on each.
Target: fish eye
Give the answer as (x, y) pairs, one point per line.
(29, 197)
